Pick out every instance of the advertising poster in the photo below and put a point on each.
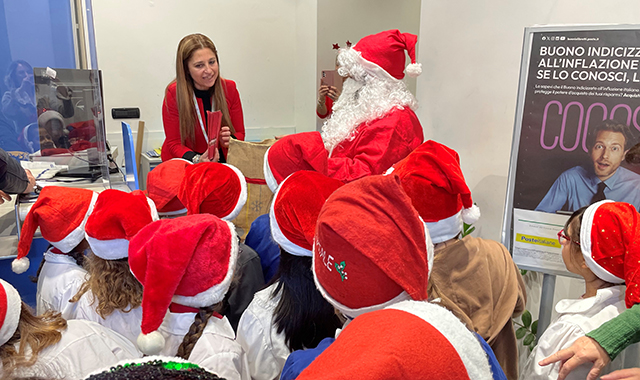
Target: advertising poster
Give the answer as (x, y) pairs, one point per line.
(578, 114)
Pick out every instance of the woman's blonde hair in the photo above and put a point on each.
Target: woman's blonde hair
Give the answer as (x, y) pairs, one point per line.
(112, 284)
(34, 332)
(184, 87)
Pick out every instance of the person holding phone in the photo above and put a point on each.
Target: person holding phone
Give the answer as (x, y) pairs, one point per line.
(328, 93)
(198, 88)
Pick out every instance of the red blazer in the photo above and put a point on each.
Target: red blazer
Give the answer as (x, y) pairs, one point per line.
(172, 147)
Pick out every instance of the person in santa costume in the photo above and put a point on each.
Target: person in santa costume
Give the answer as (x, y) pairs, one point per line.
(373, 124)
(186, 266)
(61, 213)
(599, 243)
(163, 184)
(111, 295)
(407, 340)
(49, 347)
(221, 190)
(475, 278)
(290, 314)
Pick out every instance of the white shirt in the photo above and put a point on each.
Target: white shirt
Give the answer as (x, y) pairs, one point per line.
(125, 324)
(257, 334)
(85, 347)
(59, 280)
(174, 327)
(576, 317)
(218, 351)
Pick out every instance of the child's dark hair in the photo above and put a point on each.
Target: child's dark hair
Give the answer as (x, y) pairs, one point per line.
(77, 253)
(156, 369)
(302, 314)
(575, 221)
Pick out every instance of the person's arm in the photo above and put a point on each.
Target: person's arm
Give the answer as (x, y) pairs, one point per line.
(235, 108)
(13, 178)
(378, 145)
(556, 197)
(172, 147)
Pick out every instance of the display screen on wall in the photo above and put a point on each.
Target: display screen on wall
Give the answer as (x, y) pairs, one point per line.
(578, 113)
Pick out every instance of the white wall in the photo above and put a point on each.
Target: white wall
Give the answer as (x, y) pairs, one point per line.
(470, 52)
(339, 21)
(265, 46)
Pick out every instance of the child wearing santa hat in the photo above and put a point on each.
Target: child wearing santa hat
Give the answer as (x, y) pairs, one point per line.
(48, 346)
(61, 213)
(111, 295)
(163, 183)
(290, 314)
(221, 190)
(599, 243)
(473, 277)
(186, 266)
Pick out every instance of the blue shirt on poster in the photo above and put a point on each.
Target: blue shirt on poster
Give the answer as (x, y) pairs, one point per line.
(578, 185)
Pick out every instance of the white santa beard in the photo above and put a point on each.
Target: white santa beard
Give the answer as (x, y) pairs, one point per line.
(361, 102)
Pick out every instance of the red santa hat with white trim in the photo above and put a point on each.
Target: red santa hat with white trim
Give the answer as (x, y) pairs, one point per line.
(163, 183)
(371, 249)
(610, 244)
(116, 218)
(295, 208)
(188, 260)
(61, 213)
(300, 151)
(213, 188)
(382, 54)
(10, 308)
(409, 340)
(432, 177)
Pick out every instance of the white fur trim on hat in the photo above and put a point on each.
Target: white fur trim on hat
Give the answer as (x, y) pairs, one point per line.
(74, 238)
(268, 174)
(154, 211)
(445, 229)
(113, 249)
(430, 249)
(471, 215)
(370, 67)
(216, 293)
(389, 171)
(277, 234)
(172, 213)
(349, 312)
(463, 341)
(19, 266)
(12, 318)
(242, 199)
(585, 244)
(414, 69)
(150, 344)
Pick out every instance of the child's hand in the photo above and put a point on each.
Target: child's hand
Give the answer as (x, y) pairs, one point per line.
(623, 374)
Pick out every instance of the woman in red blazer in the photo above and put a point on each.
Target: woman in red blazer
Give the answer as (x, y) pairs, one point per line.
(197, 88)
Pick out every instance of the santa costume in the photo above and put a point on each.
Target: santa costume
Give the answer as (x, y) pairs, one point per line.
(293, 215)
(221, 190)
(475, 278)
(609, 236)
(61, 213)
(408, 340)
(373, 124)
(83, 348)
(116, 218)
(186, 265)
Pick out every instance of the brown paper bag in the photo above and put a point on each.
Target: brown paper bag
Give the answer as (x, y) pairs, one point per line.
(249, 158)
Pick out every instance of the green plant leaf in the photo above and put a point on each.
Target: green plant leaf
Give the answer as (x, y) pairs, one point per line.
(534, 327)
(521, 332)
(523, 272)
(526, 318)
(528, 339)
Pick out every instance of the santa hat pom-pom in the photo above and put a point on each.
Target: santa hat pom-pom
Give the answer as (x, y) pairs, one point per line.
(150, 344)
(19, 266)
(414, 69)
(471, 215)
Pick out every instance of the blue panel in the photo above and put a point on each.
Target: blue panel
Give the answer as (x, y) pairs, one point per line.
(22, 282)
(130, 164)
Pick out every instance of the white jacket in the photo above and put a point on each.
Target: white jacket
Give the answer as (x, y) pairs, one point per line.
(576, 317)
(59, 280)
(257, 334)
(218, 351)
(85, 347)
(125, 324)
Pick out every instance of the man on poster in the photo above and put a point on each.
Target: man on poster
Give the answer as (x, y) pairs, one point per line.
(604, 179)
